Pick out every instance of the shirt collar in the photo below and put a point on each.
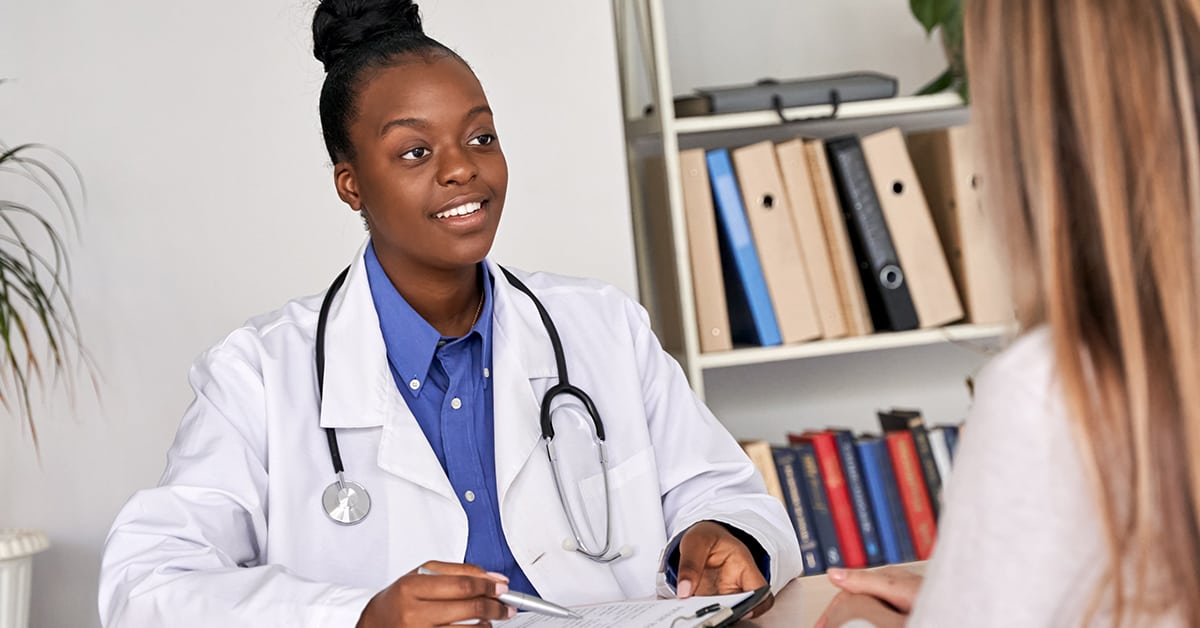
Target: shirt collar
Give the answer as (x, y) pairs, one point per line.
(410, 340)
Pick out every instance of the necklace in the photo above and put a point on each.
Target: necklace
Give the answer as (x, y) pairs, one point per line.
(478, 310)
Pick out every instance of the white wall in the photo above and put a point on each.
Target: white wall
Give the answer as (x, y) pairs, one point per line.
(195, 125)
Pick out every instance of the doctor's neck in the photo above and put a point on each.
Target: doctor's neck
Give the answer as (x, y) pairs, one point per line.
(450, 301)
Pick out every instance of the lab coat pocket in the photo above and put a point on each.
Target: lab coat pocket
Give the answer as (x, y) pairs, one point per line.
(635, 472)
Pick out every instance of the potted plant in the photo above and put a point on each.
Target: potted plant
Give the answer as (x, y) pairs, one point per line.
(946, 15)
(40, 345)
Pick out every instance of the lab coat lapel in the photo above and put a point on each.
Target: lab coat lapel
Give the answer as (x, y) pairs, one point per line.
(521, 352)
(361, 393)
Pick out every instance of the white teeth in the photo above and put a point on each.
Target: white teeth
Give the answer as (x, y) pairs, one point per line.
(461, 210)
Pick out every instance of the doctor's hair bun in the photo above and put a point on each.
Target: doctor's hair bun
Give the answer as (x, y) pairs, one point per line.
(340, 26)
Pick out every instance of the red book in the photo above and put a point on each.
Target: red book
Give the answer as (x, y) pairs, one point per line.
(840, 507)
(914, 496)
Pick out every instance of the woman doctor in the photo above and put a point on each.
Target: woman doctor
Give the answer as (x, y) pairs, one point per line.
(434, 368)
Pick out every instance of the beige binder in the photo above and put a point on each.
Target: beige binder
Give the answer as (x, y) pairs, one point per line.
(841, 252)
(946, 167)
(793, 165)
(759, 452)
(708, 285)
(770, 217)
(916, 239)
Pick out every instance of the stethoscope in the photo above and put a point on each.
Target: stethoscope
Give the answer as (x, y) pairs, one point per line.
(348, 503)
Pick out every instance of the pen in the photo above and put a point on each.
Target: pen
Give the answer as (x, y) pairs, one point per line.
(524, 601)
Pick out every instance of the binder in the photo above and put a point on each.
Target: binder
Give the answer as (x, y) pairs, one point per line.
(770, 217)
(851, 297)
(712, 318)
(751, 314)
(945, 165)
(763, 94)
(911, 227)
(879, 266)
(759, 452)
(793, 165)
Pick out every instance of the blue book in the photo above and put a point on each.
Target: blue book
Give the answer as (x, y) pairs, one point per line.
(751, 314)
(799, 509)
(951, 432)
(851, 470)
(871, 452)
(813, 487)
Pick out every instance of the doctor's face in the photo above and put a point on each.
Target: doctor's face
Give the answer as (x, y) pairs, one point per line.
(428, 172)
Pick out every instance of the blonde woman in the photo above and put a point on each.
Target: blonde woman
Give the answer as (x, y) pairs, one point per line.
(1077, 496)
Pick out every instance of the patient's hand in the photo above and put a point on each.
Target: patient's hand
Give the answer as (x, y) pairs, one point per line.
(883, 597)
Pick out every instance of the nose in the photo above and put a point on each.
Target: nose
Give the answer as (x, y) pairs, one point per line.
(456, 167)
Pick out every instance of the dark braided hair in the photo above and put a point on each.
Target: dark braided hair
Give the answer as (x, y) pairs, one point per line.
(353, 37)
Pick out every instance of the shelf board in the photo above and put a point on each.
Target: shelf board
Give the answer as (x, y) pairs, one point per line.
(858, 344)
(649, 126)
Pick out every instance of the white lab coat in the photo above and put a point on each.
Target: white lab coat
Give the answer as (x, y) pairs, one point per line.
(235, 534)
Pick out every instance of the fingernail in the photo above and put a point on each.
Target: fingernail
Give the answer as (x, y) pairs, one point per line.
(837, 575)
(684, 589)
(501, 588)
(498, 577)
(512, 612)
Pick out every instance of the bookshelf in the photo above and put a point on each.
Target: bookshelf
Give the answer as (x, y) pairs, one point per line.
(655, 133)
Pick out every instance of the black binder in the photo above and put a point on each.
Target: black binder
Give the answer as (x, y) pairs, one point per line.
(883, 279)
(770, 93)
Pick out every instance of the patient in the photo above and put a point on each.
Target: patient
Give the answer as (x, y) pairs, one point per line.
(1076, 496)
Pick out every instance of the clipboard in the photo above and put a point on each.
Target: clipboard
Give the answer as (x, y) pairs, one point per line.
(729, 615)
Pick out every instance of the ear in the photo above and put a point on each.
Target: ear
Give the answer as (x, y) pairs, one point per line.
(346, 182)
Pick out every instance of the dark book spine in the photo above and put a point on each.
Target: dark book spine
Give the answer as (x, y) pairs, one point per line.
(814, 487)
(858, 498)
(799, 509)
(883, 279)
(929, 470)
(951, 432)
(895, 505)
(869, 459)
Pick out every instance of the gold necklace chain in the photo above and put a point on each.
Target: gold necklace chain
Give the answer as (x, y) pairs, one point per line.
(478, 310)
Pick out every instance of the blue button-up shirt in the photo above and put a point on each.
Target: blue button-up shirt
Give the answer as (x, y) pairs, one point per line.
(445, 382)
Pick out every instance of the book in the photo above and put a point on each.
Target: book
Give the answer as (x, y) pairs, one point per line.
(913, 494)
(799, 507)
(810, 232)
(951, 434)
(751, 314)
(908, 221)
(911, 420)
(814, 486)
(863, 513)
(759, 452)
(894, 537)
(946, 167)
(770, 217)
(941, 453)
(708, 286)
(845, 522)
(882, 276)
(851, 297)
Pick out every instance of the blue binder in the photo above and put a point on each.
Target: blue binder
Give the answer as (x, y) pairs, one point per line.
(751, 314)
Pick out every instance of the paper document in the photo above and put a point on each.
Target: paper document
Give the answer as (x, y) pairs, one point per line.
(632, 614)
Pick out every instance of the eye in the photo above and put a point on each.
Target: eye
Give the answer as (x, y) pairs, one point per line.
(417, 153)
(486, 139)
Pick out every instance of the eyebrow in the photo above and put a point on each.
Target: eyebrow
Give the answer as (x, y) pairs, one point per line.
(418, 123)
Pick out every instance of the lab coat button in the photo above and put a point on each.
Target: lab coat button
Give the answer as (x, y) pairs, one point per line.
(456, 403)
(415, 384)
(470, 495)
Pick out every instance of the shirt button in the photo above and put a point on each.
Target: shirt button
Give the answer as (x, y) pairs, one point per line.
(415, 384)
(456, 403)
(469, 495)
(487, 372)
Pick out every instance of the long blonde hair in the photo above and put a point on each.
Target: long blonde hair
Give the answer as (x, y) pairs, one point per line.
(1087, 112)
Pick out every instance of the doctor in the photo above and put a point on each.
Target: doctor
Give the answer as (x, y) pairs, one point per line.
(430, 394)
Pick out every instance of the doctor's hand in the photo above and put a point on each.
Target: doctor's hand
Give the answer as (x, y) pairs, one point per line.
(457, 593)
(883, 597)
(712, 561)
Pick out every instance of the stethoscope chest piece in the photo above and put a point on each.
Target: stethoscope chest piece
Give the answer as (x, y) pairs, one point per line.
(345, 502)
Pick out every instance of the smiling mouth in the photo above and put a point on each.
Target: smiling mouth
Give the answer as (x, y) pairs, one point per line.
(466, 209)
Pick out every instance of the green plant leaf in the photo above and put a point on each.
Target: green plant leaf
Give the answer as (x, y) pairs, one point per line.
(933, 13)
(943, 82)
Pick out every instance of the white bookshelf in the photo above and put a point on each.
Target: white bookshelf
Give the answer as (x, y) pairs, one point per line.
(667, 293)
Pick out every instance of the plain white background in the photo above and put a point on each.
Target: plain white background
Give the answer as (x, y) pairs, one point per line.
(195, 125)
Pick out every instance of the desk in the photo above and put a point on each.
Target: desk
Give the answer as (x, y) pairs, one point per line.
(802, 601)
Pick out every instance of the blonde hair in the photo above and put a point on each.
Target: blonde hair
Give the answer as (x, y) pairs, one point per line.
(1087, 115)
